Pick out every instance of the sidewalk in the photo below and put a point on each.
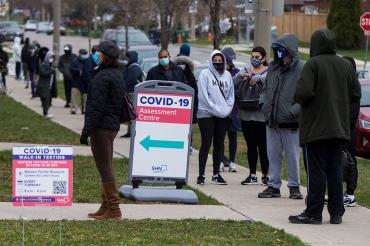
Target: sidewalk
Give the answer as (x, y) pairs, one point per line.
(242, 199)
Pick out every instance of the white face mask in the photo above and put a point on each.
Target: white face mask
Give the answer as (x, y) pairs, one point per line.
(51, 60)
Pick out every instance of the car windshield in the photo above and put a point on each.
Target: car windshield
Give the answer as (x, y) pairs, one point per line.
(43, 24)
(8, 25)
(134, 38)
(365, 98)
(148, 65)
(149, 53)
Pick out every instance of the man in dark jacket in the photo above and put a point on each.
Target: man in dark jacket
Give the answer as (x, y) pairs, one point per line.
(76, 71)
(326, 89)
(63, 67)
(281, 115)
(33, 65)
(166, 70)
(88, 70)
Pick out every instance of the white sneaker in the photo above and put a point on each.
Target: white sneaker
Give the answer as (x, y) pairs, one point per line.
(48, 117)
(232, 167)
(222, 167)
(349, 200)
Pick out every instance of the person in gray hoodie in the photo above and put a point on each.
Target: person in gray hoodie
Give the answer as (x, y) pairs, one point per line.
(281, 113)
(216, 100)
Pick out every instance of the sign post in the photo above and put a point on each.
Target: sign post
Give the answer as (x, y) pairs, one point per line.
(161, 134)
(365, 25)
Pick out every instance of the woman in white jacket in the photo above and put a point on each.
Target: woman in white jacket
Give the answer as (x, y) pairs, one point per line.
(216, 100)
(17, 49)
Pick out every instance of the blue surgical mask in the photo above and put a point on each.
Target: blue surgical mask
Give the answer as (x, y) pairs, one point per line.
(282, 53)
(84, 56)
(164, 61)
(95, 57)
(125, 62)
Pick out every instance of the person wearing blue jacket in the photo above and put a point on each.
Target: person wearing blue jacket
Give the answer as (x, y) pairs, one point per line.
(75, 69)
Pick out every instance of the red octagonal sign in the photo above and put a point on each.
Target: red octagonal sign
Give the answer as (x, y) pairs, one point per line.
(365, 22)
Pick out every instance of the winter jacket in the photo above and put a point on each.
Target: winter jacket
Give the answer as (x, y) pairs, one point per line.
(159, 73)
(326, 89)
(277, 98)
(25, 53)
(64, 63)
(17, 50)
(4, 59)
(46, 85)
(212, 102)
(88, 73)
(76, 69)
(104, 101)
(33, 63)
(133, 73)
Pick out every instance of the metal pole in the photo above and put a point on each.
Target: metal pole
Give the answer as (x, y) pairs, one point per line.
(262, 31)
(366, 52)
(56, 32)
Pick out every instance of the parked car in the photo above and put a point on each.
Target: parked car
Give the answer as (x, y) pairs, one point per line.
(31, 25)
(9, 30)
(136, 37)
(145, 51)
(51, 29)
(42, 27)
(198, 68)
(148, 63)
(363, 122)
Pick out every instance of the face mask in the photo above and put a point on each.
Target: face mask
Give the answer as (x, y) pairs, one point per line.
(95, 57)
(84, 57)
(282, 53)
(164, 61)
(51, 60)
(67, 52)
(255, 62)
(218, 66)
(125, 62)
(182, 66)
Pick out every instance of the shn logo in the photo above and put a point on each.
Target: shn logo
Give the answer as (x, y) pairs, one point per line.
(159, 169)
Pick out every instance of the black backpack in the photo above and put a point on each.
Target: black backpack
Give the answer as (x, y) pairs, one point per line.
(248, 95)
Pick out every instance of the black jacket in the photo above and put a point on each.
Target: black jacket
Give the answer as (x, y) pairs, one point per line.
(104, 101)
(327, 88)
(133, 73)
(64, 63)
(88, 73)
(33, 63)
(76, 69)
(25, 53)
(158, 73)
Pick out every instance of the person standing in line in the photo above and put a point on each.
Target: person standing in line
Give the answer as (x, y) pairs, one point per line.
(102, 122)
(216, 101)
(88, 72)
(326, 89)
(32, 65)
(4, 59)
(24, 57)
(282, 116)
(46, 83)
(249, 84)
(232, 132)
(76, 72)
(17, 51)
(63, 67)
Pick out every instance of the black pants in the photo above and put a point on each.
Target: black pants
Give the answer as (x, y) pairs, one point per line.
(233, 146)
(45, 102)
(350, 172)
(3, 78)
(212, 129)
(18, 70)
(323, 163)
(254, 133)
(33, 83)
(68, 90)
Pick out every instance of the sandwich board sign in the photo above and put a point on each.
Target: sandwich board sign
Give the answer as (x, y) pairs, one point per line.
(161, 134)
(42, 176)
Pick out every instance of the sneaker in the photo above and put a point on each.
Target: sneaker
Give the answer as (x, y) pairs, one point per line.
(222, 167)
(250, 180)
(349, 200)
(265, 179)
(48, 117)
(127, 135)
(335, 219)
(270, 192)
(218, 180)
(232, 167)
(200, 180)
(295, 193)
(304, 219)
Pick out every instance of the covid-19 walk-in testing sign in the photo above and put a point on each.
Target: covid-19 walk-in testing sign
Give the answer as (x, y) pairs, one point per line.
(42, 176)
(161, 134)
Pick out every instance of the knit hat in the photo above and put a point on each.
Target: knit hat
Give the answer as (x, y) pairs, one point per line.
(229, 54)
(185, 50)
(108, 48)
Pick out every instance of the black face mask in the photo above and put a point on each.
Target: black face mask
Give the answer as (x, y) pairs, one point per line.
(218, 66)
(67, 52)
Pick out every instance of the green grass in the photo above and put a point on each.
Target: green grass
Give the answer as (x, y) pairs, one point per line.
(86, 181)
(19, 124)
(60, 86)
(145, 232)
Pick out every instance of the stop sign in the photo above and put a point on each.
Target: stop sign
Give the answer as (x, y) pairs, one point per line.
(365, 22)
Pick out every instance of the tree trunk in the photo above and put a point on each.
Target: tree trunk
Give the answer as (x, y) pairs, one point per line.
(215, 7)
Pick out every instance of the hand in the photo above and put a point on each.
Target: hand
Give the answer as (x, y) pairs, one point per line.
(84, 140)
(247, 75)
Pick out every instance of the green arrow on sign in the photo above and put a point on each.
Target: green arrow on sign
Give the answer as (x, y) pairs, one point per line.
(148, 143)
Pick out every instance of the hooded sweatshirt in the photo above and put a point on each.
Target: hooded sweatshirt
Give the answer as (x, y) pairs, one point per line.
(64, 63)
(327, 87)
(46, 86)
(17, 49)
(211, 101)
(277, 97)
(133, 74)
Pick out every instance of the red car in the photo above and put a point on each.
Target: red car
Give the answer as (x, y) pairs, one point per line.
(363, 122)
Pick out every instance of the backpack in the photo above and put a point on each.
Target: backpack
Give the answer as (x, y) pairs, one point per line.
(248, 95)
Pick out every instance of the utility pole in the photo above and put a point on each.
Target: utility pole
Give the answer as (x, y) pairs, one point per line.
(56, 31)
(262, 31)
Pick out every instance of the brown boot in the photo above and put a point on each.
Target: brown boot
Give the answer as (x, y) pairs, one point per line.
(113, 211)
(103, 206)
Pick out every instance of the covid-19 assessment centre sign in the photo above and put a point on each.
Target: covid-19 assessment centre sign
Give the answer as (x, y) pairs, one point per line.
(161, 133)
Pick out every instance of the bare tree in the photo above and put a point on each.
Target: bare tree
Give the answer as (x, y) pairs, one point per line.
(214, 8)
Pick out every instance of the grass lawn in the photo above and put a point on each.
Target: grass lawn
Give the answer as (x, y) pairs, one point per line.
(145, 232)
(60, 86)
(19, 124)
(86, 181)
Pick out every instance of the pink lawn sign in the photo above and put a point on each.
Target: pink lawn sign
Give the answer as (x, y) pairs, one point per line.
(42, 176)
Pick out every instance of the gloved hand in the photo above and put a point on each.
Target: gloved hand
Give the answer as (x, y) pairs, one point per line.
(84, 140)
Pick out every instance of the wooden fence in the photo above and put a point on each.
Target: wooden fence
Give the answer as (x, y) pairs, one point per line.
(300, 24)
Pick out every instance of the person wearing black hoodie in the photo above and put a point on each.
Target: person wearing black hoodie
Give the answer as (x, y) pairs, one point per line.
(24, 56)
(63, 67)
(32, 65)
(326, 89)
